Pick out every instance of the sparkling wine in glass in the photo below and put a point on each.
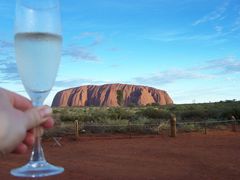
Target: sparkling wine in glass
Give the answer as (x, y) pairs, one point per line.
(38, 52)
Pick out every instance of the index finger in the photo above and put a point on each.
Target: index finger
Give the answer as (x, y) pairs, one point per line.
(18, 101)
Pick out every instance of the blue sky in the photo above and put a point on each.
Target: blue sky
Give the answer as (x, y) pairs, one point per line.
(190, 48)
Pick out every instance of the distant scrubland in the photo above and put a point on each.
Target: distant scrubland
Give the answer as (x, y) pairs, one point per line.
(155, 117)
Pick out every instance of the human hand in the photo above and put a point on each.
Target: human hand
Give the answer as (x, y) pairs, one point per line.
(17, 119)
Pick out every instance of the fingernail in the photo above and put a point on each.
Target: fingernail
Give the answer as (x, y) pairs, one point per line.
(45, 111)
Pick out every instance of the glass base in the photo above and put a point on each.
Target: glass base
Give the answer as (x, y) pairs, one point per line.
(36, 169)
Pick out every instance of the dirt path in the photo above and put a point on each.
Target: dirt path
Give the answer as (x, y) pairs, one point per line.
(189, 156)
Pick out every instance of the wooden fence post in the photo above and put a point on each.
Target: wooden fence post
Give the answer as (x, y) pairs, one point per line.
(173, 128)
(234, 124)
(76, 127)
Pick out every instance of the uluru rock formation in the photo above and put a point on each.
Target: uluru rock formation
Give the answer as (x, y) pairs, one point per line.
(111, 95)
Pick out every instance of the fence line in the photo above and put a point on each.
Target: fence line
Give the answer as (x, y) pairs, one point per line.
(114, 125)
(208, 122)
(77, 127)
(137, 124)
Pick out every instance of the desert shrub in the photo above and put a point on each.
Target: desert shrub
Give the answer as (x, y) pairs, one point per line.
(142, 125)
(155, 113)
(68, 117)
(98, 115)
(153, 104)
(148, 115)
(229, 112)
(120, 113)
(110, 126)
(164, 125)
(150, 112)
(189, 127)
(155, 121)
(69, 114)
(143, 128)
(195, 114)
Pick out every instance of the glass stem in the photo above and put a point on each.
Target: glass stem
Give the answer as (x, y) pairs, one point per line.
(37, 151)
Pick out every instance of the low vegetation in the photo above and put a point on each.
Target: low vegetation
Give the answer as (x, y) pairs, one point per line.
(150, 118)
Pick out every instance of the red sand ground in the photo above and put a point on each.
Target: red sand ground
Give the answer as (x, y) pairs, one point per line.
(188, 156)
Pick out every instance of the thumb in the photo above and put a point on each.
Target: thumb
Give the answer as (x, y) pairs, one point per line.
(36, 116)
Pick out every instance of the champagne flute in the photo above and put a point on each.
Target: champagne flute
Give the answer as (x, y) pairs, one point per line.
(38, 53)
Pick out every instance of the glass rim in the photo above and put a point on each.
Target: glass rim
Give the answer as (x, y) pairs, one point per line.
(27, 4)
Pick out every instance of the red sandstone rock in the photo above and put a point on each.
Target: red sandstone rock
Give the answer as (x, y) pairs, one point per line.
(106, 95)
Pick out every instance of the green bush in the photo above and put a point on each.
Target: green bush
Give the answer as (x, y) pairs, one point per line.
(193, 114)
(119, 113)
(155, 113)
(186, 127)
(145, 116)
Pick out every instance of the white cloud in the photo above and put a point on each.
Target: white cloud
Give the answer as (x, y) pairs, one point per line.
(218, 29)
(185, 36)
(171, 76)
(236, 25)
(69, 83)
(82, 48)
(8, 71)
(79, 53)
(93, 38)
(113, 49)
(217, 14)
(212, 69)
(6, 44)
(225, 65)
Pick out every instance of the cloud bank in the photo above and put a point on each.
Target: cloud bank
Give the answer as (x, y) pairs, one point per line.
(212, 69)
